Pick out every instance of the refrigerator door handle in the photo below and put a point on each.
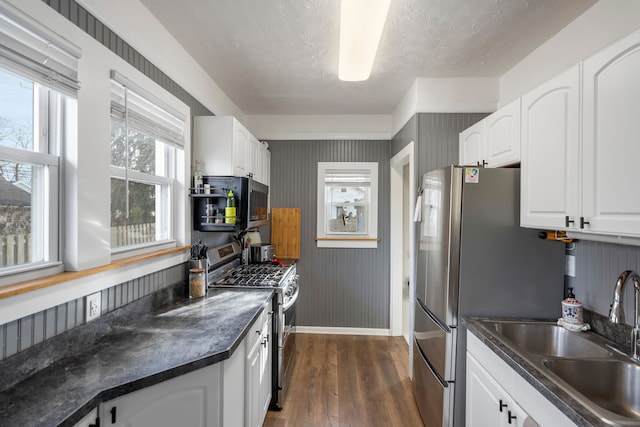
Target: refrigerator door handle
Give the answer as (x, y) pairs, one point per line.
(433, 371)
(435, 320)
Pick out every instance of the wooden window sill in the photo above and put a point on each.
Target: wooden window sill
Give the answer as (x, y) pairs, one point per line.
(32, 285)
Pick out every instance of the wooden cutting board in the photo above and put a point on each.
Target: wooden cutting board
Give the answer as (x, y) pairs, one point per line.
(285, 232)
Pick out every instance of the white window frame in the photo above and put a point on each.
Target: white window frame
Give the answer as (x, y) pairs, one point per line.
(146, 113)
(30, 50)
(369, 238)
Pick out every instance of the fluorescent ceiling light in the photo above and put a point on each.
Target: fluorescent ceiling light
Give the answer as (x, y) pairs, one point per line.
(361, 24)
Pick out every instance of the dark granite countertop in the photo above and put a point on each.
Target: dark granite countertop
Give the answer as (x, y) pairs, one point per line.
(154, 339)
(568, 405)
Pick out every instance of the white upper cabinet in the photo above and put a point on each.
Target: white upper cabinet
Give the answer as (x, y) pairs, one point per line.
(550, 150)
(239, 162)
(502, 136)
(472, 145)
(225, 147)
(580, 147)
(255, 165)
(493, 141)
(611, 139)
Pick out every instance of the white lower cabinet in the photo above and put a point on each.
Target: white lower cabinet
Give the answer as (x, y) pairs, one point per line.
(233, 393)
(191, 399)
(258, 371)
(487, 403)
(89, 420)
(496, 395)
(233, 396)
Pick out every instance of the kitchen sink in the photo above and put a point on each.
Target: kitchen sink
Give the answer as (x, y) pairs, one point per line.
(611, 384)
(548, 339)
(585, 365)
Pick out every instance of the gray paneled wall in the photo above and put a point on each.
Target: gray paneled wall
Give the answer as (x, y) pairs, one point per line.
(30, 330)
(597, 268)
(339, 287)
(438, 135)
(350, 287)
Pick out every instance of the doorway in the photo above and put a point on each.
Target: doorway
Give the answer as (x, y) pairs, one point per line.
(403, 194)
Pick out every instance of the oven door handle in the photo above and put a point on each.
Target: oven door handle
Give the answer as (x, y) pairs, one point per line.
(292, 300)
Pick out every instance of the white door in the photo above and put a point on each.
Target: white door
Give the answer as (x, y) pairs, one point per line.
(611, 139)
(550, 150)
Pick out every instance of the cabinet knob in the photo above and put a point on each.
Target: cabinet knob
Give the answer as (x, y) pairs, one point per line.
(583, 222)
(568, 221)
(510, 417)
(502, 405)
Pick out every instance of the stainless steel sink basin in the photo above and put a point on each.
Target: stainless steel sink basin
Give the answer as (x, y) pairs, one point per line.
(611, 384)
(548, 339)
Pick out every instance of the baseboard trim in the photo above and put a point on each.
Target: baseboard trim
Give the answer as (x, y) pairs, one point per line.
(342, 331)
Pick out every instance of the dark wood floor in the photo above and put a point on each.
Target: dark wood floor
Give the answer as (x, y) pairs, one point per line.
(352, 381)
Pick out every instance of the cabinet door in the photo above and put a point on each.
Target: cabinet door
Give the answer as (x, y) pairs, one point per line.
(472, 145)
(89, 420)
(502, 136)
(550, 150)
(233, 388)
(253, 388)
(265, 161)
(265, 369)
(192, 399)
(486, 404)
(255, 167)
(611, 139)
(240, 149)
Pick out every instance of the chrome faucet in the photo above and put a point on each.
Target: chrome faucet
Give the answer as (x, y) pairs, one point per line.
(616, 314)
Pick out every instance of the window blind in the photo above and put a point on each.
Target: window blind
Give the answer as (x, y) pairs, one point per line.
(145, 112)
(29, 48)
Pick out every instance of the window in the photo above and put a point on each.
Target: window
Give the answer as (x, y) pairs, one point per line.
(145, 138)
(38, 84)
(347, 205)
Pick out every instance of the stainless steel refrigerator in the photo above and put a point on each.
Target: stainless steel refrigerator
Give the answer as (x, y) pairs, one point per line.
(473, 260)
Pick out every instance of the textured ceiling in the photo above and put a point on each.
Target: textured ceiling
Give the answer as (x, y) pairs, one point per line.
(280, 56)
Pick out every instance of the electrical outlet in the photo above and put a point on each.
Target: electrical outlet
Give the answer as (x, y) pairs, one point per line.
(92, 306)
(571, 266)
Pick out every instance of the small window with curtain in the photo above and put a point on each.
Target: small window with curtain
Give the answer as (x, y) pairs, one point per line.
(145, 137)
(38, 113)
(347, 205)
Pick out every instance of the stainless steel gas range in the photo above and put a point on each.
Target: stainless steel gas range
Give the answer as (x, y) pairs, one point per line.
(228, 271)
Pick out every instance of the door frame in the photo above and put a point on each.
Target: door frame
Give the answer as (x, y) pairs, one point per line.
(404, 157)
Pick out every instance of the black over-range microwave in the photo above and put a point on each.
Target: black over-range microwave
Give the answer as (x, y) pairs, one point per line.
(251, 198)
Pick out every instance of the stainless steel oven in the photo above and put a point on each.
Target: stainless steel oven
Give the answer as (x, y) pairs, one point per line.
(228, 271)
